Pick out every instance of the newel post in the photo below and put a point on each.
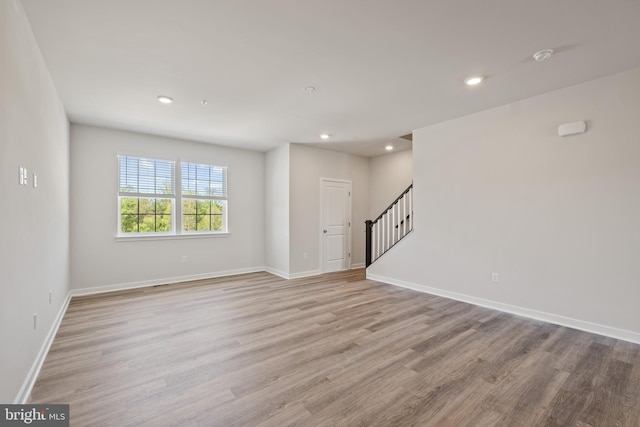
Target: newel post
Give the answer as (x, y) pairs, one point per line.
(367, 241)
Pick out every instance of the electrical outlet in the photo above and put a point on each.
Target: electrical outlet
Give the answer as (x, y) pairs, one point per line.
(305, 255)
(184, 259)
(495, 278)
(35, 181)
(35, 321)
(50, 297)
(20, 175)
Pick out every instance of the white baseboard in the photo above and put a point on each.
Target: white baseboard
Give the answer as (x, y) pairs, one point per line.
(25, 391)
(290, 276)
(304, 274)
(608, 331)
(165, 281)
(277, 272)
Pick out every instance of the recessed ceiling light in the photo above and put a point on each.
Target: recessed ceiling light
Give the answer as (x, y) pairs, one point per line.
(165, 99)
(204, 102)
(309, 89)
(543, 55)
(325, 136)
(389, 147)
(473, 80)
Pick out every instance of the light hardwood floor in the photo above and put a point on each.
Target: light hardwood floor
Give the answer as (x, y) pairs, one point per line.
(336, 349)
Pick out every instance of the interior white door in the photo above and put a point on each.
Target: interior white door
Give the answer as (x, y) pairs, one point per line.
(336, 225)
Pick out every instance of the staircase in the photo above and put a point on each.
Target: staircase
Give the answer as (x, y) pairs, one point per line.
(389, 227)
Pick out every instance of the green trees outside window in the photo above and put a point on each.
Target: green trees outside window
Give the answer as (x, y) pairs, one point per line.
(155, 194)
(202, 215)
(204, 198)
(145, 215)
(146, 194)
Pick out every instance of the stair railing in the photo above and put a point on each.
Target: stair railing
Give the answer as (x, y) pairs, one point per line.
(389, 227)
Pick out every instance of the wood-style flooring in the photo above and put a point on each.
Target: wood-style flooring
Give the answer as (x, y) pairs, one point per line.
(331, 350)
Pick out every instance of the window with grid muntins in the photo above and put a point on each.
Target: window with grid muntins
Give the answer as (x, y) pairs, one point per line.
(146, 195)
(204, 198)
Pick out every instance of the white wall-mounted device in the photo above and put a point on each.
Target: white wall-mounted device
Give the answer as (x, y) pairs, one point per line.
(572, 128)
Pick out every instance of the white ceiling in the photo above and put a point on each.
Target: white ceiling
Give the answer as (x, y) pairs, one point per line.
(380, 68)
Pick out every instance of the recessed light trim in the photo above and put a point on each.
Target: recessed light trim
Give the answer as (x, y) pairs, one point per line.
(473, 80)
(309, 89)
(325, 136)
(165, 99)
(543, 55)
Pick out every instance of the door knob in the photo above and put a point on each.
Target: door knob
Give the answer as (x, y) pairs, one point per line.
(324, 231)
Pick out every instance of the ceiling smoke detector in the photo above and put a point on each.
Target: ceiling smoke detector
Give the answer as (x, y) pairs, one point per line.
(543, 55)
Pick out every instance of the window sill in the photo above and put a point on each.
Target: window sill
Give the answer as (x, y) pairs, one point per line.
(139, 238)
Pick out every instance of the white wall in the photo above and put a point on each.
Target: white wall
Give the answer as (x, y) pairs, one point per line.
(100, 262)
(557, 218)
(389, 175)
(34, 223)
(276, 184)
(308, 165)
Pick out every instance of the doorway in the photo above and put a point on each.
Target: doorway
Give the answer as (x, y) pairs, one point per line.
(335, 225)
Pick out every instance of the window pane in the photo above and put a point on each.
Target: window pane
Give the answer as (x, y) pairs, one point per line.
(189, 223)
(188, 207)
(147, 223)
(163, 206)
(150, 177)
(218, 186)
(145, 215)
(204, 180)
(129, 223)
(204, 207)
(203, 215)
(128, 205)
(216, 222)
(163, 223)
(146, 176)
(147, 206)
(164, 185)
(204, 219)
(203, 223)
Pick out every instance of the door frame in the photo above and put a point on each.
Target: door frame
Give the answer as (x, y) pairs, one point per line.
(324, 180)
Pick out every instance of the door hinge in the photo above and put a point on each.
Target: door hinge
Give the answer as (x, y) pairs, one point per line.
(349, 254)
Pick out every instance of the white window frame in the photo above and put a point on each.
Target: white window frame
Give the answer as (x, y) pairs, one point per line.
(176, 204)
(221, 196)
(146, 195)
